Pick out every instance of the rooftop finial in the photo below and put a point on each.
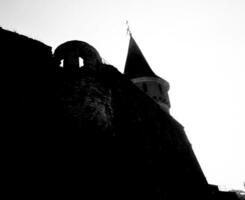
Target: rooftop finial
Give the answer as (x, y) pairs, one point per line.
(128, 29)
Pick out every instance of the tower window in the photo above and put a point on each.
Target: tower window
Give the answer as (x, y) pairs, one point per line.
(160, 88)
(81, 64)
(62, 63)
(145, 87)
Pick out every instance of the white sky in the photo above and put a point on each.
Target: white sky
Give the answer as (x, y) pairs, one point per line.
(198, 46)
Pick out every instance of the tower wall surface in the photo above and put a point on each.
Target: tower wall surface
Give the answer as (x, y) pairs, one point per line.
(156, 88)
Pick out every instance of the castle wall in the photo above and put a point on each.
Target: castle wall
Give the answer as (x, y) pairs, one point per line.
(27, 111)
(90, 133)
(144, 151)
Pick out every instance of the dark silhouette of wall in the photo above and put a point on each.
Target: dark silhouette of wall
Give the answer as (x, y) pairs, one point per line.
(27, 110)
(91, 134)
(143, 151)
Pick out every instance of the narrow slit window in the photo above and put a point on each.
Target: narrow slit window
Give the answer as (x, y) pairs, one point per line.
(62, 63)
(81, 63)
(160, 88)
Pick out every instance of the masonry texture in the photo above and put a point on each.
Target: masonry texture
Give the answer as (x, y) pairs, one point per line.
(91, 134)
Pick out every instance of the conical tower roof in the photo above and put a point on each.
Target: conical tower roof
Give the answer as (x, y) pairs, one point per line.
(136, 64)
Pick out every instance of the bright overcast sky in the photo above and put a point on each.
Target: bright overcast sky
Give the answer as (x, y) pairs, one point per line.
(197, 46)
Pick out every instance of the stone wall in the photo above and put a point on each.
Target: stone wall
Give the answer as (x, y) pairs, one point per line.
(89, 133)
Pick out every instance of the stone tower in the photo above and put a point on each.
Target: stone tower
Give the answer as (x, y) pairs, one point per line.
(138, 70)
(70, 52)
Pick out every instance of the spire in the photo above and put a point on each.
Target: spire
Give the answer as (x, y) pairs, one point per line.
(136, 64)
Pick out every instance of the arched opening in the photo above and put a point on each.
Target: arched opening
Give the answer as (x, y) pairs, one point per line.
(81, 62)
(62, 63)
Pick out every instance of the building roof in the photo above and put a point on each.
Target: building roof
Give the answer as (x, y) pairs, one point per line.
(136, 64)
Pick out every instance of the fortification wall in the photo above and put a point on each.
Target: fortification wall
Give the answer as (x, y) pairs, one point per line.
(89, 133)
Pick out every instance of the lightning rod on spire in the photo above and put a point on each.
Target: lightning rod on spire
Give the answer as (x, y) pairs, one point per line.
(128, 29)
